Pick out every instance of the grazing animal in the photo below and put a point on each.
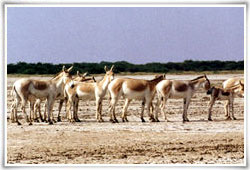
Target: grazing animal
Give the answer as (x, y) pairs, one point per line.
(236, 92)
(179, 89)
(29, 90)
(86, 91)
(132, 89)
(78, 78)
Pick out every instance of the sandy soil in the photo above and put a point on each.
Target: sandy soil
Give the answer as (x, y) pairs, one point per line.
(88, 142)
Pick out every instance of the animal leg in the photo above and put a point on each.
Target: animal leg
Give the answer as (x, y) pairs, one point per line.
(50, 103)
(98, 115)
(142, 110)
(59, 118)
(76, 111)
(112, 108)
(151, 116)
(186, 102)
(211, 103)
(68, 110)
(124, 112)
(163, 105)
(226, 107)
(232, 110)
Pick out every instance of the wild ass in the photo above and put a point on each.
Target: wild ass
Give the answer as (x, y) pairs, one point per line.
(179, 89)
(222, 94)
(236, 92)
(132, 89)
(79, 78)
(86, 91)
(29, 90)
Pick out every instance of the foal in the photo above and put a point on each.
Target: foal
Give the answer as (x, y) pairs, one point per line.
(132, 89)
(179, 89)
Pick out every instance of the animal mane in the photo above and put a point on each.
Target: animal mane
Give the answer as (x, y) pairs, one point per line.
(158, 77)
(56, 75)
(197, 78)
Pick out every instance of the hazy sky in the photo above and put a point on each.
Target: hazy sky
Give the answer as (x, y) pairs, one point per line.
(133, 34)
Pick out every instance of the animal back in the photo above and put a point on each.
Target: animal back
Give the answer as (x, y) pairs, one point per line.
(180, 86)
(40, 85)
(136, 85)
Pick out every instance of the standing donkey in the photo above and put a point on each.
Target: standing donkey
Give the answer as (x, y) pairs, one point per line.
(132, 89)
(29, 90)
(228, 84)
(179, 89)
(86, 91)
(80, 78)
(224, 94)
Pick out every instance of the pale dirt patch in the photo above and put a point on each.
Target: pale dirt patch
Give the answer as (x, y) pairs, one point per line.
(88, 142)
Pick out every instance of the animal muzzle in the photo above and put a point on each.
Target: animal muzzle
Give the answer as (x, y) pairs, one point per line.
(209, 91)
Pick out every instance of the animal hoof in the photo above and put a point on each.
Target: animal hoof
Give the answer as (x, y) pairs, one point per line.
(157, 120)
(116, 121)
(18, 123)
(59, 119)
(228, 118)
(210, 119)
(50, 123)
(234, 118)
(77, 120)
(142, 120)
(30, 124)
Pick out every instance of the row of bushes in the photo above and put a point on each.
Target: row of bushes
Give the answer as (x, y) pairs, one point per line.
(123, 66)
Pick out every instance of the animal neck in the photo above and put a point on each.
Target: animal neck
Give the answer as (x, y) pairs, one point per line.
(154, 82)
(196, 83)
(58, 81)
(104, 83)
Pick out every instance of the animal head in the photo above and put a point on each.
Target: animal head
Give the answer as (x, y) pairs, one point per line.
(239, 88)
(80, 77)
(209, 91)
(65, 74)
(206, 83)
(109, 73)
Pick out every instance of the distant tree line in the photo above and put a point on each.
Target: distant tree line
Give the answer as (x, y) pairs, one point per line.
(123, 66)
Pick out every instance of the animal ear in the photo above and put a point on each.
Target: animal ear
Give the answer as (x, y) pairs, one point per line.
(164, 75)
(77, 73)
(111, 69)
(85, 74)
(63, 68)
(69, 69)
(105, 68)
(241, 83)
(93, 78)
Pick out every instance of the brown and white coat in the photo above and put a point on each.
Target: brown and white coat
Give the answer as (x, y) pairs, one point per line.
(132, 89)
(223, 94)
(79, 78)
(86, 91)
(228, 84)
(25, 90)
(179, 89)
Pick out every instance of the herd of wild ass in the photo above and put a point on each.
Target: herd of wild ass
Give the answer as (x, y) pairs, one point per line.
(69, 89)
